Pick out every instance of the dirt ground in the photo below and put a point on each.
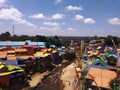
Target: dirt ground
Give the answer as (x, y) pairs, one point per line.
(51, 82)
(68, 77)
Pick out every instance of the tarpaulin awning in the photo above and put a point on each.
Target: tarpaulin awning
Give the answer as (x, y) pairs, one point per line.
(41, 54)
(9, 69)
(2, 65)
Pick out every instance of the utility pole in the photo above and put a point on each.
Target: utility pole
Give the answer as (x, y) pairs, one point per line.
(82, 46)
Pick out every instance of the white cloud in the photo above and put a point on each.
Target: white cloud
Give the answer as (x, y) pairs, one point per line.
(15, 15)
(71, 32)
(38, 16)
(114, 21)
(11, 13)
(70, 29)
(78, 17)
(58, 16)
(51, 23)
(21, 21)
(74, 8)
(2, 2)
(89, 21)
(51, 31)
(58, 1)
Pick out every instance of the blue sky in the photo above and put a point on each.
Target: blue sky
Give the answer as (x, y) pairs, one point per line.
(60, 17)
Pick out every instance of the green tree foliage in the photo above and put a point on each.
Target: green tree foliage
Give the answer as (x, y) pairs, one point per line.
(95, 37)
(41, 38)
(56, 41)
(108, 40)
(114, 83)
(70, 56)
(5, 36)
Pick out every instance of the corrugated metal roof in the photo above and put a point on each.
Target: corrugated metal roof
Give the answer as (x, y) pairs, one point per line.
(3, 43)
(32, 43)
(17, 43)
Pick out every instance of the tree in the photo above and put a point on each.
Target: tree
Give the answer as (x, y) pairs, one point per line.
(95, 37)
(5, 36)
(109, 38)
(47, 44)
(115, 83)
(56, 41)
(41, 38)
(15, 38)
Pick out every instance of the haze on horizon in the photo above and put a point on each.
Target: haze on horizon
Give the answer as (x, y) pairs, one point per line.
(60, 17)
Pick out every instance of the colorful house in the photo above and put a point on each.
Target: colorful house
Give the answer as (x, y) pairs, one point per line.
(3, 55)
(10, 72)
(99, 78)
(112, 59)
(20, 51)
(97, 64)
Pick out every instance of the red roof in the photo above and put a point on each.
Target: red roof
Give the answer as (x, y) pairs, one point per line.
(30, 46)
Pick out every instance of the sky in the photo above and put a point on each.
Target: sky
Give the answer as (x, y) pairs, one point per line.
(60, 17)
